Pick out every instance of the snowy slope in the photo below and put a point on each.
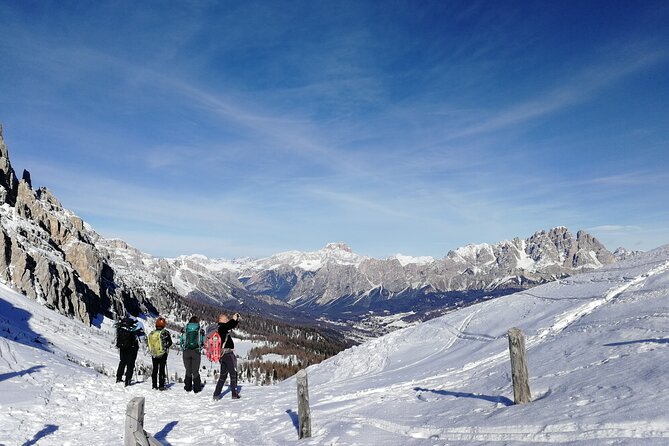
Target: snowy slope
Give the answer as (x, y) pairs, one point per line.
(597, 351)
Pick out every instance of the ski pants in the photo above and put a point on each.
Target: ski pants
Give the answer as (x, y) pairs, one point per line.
(192, 360)
(127, 363)
(158, 372)
(228, 365)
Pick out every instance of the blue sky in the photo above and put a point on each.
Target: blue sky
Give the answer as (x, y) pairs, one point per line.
(247, 128)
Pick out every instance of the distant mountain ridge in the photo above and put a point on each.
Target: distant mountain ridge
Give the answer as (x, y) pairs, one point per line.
(335, 281)
(51, 255)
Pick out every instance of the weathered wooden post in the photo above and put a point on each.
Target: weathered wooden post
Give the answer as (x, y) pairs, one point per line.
(519, 374)
(134, 425)
(134, 420)
(303, 411)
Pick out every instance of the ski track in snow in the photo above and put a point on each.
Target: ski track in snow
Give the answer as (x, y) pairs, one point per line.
(561, 323)
(572, 316)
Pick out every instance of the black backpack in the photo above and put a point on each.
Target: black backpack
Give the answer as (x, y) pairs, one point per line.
(124, 337)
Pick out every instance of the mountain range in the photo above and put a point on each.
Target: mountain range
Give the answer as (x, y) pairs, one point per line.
(53, 256)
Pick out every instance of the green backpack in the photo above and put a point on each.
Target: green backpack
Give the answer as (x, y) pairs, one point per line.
(156, 346)
(192, 337)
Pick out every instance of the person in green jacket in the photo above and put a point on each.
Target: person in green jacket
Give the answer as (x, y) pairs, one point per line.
(191, 341)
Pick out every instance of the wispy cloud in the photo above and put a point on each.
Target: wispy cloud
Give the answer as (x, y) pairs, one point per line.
(356, 201)
(580, 88)
(615, 228)
(639, 178)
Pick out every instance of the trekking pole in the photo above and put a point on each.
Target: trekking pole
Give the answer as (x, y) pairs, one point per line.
(167, 372)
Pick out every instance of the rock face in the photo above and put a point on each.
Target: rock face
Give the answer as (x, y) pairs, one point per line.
(8, 182)
(49, 254)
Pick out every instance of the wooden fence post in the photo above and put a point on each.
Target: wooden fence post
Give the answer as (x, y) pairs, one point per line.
(303, 411)
(134, 420)
(519, 374)
(134, 425)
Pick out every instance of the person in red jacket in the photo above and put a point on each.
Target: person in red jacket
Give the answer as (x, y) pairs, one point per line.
(228, 359)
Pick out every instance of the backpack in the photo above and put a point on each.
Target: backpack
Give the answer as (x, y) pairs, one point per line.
(212, 346)
(192, 337)
(124, 337)
(156, 347)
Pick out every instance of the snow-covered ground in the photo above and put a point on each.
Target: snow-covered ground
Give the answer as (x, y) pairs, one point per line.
(597, 351)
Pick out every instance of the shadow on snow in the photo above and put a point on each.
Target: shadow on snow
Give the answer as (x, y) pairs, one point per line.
(14, 326)
(10, 375)
(295, 418)
(493, 399)
(640, 341)
(48, 430)
(161, 435)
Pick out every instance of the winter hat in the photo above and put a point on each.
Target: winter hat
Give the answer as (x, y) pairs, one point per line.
(161, 322)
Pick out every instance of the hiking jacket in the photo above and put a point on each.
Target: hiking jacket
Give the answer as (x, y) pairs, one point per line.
(133, 327)
(224, 329)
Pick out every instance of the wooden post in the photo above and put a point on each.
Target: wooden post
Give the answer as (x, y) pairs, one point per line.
(303, 411)
(134, 420)
(134, 425)
(519, 374)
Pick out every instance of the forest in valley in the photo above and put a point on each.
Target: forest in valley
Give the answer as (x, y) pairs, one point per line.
(299, 345)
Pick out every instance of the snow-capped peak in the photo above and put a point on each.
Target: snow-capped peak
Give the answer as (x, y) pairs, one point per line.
(338, 246)
(408, 260)
(472, 251)
(333, 253)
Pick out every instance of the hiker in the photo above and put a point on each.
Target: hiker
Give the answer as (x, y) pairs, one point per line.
(160, 342)
(191, 341)
(228, 359)
(128, 333)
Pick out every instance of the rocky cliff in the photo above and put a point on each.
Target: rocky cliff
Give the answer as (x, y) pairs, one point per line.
(49, 254)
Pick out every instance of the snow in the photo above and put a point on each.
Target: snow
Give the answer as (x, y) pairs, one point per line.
(215, 265)
(525, 261)
(337, 253)
(183, 287)
(273, 357)
(597, 353)
(472, 251)
(408, 260)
